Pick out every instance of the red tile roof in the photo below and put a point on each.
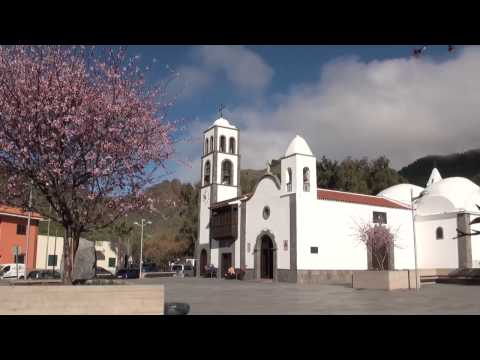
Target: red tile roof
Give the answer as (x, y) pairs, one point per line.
(333, 195)
(12, 211)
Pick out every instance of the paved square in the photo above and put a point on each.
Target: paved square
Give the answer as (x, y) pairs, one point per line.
(212, 296)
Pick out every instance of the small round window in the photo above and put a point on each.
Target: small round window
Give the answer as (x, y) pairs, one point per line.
(266, 212)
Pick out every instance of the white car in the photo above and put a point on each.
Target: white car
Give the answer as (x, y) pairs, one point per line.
(182, 270)
(9, 271)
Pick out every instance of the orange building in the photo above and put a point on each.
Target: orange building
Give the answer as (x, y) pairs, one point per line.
(13, 231)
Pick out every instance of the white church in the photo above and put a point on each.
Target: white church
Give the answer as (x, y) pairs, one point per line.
(289, 230)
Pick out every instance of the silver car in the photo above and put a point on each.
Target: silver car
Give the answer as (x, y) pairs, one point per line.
(182, 270)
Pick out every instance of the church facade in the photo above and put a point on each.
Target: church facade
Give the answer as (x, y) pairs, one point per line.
(289, 230)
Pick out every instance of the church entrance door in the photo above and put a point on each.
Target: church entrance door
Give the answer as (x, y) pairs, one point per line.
(226, 263)
(266, 258)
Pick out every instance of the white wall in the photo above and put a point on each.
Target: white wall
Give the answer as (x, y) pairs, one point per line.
(331, 226)
(475, 244)
(433, 253)
(278, 223)
(109, 250)
(204, 233)
(214, 253)
(54, 246)
(48, 246)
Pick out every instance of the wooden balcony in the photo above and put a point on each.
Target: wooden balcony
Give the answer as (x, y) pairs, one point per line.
(224, 222)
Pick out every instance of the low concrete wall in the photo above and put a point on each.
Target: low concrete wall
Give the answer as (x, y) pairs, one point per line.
(324, 276)
(82, 300)
(384, 280)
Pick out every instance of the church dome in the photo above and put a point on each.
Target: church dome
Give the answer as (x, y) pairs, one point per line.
(298, 146)
(401, 192)
(223, 122)
(450, 194)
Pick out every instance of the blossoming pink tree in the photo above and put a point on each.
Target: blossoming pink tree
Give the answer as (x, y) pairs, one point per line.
(82, 126)
(379, 241)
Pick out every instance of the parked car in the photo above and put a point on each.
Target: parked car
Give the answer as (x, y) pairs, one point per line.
(9, 271)
(103, 274)
(44, 274)
(183, 270)
(128, 274)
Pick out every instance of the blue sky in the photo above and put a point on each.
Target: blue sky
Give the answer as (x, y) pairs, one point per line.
(345, 100)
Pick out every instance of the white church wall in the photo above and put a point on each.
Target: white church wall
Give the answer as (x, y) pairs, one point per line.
(204, 233)
(214, 253)
(267, 194)
(433, 253)
(475, 240)
(331, 226)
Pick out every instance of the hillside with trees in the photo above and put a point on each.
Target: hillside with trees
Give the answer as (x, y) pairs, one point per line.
(466, 164)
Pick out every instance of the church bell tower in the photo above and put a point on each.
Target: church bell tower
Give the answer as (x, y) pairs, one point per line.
(220, 174)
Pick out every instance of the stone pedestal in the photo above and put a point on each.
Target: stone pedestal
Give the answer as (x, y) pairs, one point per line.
(385, 280)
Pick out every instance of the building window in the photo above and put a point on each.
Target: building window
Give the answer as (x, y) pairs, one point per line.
(266, 212)
(211, 143)
(206, 146)
(52, 260)
(226, 172)
(379, 217)
(314, 250)
(289, 179)
(21, 259)
(112, 262)
(21, 229)
(206, 173)
(439, 233)
(223, 145)
(306, 179)
(232, 145)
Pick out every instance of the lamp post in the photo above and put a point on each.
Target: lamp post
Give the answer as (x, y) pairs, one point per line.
(28, 231)
(143, 223)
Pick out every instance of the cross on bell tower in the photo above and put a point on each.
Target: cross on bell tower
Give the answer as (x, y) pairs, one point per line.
(220, 110)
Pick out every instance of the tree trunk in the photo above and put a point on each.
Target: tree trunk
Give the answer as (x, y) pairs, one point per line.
(70, 246)
(67, 258)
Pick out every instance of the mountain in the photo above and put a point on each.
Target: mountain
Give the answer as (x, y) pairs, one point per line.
(466, 164)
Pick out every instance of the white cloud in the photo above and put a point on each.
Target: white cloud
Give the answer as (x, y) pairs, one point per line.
(401, 108)
(192, 79)
(242, 67)
(246, 71)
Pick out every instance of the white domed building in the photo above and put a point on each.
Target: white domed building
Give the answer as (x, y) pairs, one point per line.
(441, 208)
(287, 229)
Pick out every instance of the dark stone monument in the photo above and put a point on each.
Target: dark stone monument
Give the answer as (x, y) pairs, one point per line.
(85, 261)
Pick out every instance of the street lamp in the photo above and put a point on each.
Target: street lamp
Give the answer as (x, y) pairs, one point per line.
(144, 222)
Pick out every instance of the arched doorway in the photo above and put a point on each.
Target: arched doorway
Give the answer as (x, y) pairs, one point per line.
(266, 258)
(203, 261)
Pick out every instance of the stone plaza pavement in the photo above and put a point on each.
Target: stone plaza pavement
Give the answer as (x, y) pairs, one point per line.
(219, 297)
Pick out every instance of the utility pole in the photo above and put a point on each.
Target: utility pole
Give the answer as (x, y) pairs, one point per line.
(48, 237)
(28, 230)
